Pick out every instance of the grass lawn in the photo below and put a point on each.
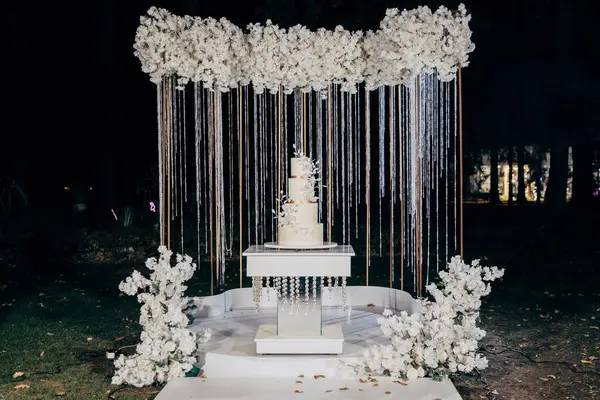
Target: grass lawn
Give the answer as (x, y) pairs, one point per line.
(57, 336)
(543, 321)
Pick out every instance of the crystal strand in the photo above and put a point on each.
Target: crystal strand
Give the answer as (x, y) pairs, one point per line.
(393, 133)
(381, 123)
(343, 159)
(185, 175)
(219, 184)
(285, 163)
(297, 294)
(405, 170)
(413, 177)
(357, 129)
(436, 109)
(309, 136)
(222, 204)
(178, 154)
(446, 150)
(392, 129)
(268, 287)
(297, 118)
(319, 144)
(265, 167)
(197, 111)
(329, 285)
(351, 138)
(344, 294)
(256, 176)
(348, 191)
(159, 118)
(292, 294)
(267, 183)
(278, 287)
(314, 292)
(285, 289)
(182, 167)
(247, 161)
(273, 153)
(428, 165)
(205, 163)
(423, 157)
(306, 293)
(335, 191)
(256, 291)
(262, 168)
(454, 151)
(230, 146)
(174, 151)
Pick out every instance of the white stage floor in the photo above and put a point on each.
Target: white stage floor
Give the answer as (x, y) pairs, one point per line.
(317, 389)
(233, 370)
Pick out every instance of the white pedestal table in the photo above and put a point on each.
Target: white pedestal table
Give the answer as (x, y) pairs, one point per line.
(300, 278)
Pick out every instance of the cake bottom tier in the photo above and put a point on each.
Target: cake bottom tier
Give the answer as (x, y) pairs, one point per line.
(302, 236)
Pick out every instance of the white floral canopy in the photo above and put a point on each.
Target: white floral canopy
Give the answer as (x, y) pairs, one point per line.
(244, 85)
(222, 56)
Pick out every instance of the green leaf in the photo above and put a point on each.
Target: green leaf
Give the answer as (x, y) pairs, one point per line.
(192, 373)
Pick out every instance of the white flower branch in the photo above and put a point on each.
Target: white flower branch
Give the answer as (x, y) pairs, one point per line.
(167, 347)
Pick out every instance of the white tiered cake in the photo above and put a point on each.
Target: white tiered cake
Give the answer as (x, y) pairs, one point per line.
(298, 219)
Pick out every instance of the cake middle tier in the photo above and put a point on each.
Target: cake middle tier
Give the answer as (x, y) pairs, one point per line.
(300, 190)
(306, 214)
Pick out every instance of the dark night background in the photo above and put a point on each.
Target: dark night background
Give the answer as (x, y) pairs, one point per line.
(78, 108)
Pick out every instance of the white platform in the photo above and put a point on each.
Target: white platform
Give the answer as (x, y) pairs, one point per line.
(235, 371)
(269, 342)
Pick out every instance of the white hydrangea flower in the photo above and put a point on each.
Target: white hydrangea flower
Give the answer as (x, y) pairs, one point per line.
(166, 349)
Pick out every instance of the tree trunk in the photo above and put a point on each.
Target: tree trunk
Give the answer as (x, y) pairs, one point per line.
(583, 177)
(511, 160)
(494, 196)
(521, 198)
(556, 194)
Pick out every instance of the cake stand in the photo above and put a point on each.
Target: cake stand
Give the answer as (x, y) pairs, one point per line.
(299, 328)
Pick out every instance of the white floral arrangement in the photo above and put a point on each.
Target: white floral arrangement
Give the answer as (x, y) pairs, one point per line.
(167, 347)
(441, 338)
(223, 56)
(418, 41)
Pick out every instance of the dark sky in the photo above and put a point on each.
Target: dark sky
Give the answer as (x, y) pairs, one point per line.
(75, 95)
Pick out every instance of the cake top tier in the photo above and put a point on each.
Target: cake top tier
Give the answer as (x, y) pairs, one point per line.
(302, 166)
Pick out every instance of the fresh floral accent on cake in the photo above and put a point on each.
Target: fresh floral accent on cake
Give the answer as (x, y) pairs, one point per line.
(310, 171)
(222, 56)
(287, 212)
